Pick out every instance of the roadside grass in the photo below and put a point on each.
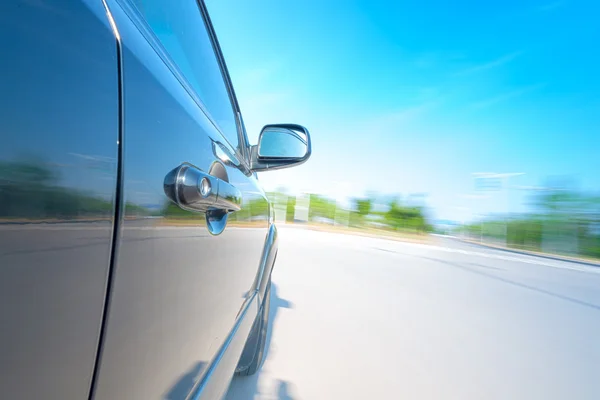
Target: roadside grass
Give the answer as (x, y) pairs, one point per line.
(398, 235)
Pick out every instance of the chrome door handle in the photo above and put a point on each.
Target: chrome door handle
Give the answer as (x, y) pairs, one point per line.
(194, 190)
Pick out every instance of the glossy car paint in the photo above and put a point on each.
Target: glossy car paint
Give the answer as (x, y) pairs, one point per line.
(58, 174)
(176, 290)
(108, 290)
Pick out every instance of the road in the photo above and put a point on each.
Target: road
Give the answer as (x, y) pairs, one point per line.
(365, 318)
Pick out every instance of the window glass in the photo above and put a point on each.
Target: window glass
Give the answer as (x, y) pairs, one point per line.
(181, 30)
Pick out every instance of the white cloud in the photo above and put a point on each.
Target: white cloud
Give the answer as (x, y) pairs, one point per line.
(506, 96)
(390, 121)
(497, 175)
(491, 64)
(473, 196)
(550, 6)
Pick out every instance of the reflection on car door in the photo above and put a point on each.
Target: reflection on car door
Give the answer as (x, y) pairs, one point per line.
(176, 289)
(59, 124)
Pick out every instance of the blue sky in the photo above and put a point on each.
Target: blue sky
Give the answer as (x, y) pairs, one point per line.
(415, 97)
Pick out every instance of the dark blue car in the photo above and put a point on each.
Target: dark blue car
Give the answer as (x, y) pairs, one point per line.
(136, 245)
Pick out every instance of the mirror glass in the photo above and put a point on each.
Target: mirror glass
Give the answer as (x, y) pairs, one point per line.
(279, 142)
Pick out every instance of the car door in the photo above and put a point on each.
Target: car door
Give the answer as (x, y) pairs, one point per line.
(59, 125)
(177, 286)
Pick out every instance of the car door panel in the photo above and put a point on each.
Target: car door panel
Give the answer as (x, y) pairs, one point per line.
(58, 179)
(177, 290)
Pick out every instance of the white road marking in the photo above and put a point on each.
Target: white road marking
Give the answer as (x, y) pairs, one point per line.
(529, 260)
(393, 246)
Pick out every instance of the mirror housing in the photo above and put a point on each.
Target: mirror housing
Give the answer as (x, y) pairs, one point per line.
(280, 146)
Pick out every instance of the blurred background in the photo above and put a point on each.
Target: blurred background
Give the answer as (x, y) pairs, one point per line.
(467, 119)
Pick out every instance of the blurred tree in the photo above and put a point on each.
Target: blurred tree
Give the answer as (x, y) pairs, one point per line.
(258, 207)
(567, 221)
(30, 189)
(401, 217)
(363, 206)
(321, 207)
(291, 209)
(172, 210)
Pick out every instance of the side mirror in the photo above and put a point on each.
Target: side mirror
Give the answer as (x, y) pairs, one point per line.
(280, 146)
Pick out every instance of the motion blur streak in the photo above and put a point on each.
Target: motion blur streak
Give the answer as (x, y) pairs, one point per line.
(365, 318)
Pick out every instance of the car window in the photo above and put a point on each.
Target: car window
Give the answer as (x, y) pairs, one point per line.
(180, 28)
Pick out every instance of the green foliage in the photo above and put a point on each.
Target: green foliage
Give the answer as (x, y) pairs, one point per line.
(258, 207)
(134, 210)
(410, 218)
(525, 234)
(32, 172)
(321, 207)
(290, 209)
(172, 210)
(363, 206)
(565, 217)
(29, 189)
(356, 220)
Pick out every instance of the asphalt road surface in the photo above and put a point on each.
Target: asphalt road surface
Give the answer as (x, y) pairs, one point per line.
(365, 318)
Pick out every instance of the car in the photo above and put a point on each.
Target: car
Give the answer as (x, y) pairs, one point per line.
(136, 243)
